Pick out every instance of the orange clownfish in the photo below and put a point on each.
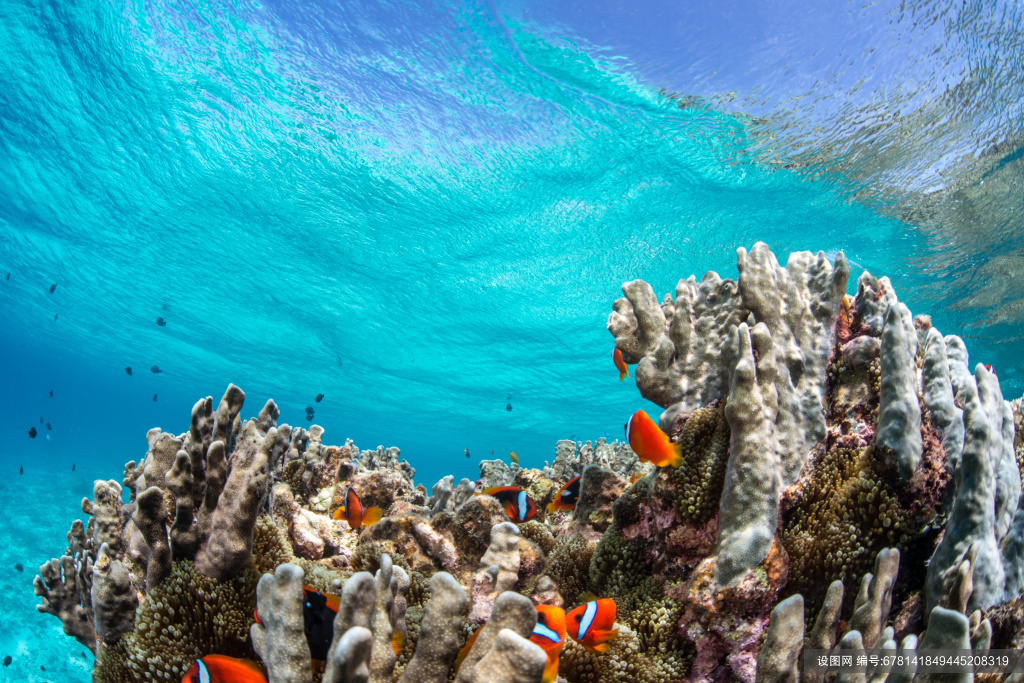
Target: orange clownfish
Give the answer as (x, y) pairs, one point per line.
(567, 496)
(621, 365)
(459, 658)
(518, 506)
(989, 368)
(650, 443)
(592, 624)
(354, 514)
(224, 669)
(549, 634)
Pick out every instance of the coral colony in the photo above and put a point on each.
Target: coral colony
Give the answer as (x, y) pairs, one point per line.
(848, 482)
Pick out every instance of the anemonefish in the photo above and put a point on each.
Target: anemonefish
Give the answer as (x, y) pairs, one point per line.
(354, 514)
(549, 634)
(518, 506)
(621, 365)
(318, 611)
(592, 624)
(634, 478)
(459, 658)
(989, 368)
(650, 443)
(224, 669)
(567, 496)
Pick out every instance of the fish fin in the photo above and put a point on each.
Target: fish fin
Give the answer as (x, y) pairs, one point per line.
(600, 647)
(627, 372)
(397, 642)
(255, 667)
(551, 508)
(677, 455)
(372, 515)
(550, 671)
(586, 597)
(333, 602)
(338, 514)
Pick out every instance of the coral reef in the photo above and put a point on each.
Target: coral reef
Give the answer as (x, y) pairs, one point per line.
(848, 481)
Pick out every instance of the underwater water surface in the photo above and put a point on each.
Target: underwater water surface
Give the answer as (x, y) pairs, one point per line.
(424, 210)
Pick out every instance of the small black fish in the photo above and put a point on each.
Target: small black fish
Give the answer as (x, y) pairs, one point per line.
(72, 467)
(128, 370)
(161, 322)
(40, 420)
(155, 370)
(319, 397)
(508, 407)
(309, 417)
(55, 316)
(309, 410)
(51, 393)
(42, 667)
(21, 469)
(19, 568)
(48, 427)
(154, 398)
(8, 276)
(7, 659)
(466, 451)
(32, 433)
(52, 287)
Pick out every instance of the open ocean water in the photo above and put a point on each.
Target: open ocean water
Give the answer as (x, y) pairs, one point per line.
(424, 210)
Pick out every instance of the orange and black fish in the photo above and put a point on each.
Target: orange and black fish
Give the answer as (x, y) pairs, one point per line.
(549, 634)
(318, 611)
(223, 669)
(634, 478)
(620, 365)
(518, 505)
(650, 443)
(461, 657)
(567, 496)
(354, 514)
(592, 624)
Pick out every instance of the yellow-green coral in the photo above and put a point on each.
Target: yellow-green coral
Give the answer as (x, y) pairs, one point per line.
(569, 565)
(700, 477)
(844, 514)
(618, 566)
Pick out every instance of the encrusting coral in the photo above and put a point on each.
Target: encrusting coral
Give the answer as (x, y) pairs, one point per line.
(849, 481)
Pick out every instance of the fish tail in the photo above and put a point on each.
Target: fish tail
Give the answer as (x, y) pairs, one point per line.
(551, 508)
(601, 647)
(372, 515)
(398, 642)
(622, 376)
(677, 455)
(338, 514)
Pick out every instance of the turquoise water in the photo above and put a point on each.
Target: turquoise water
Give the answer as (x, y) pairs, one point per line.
(424, 211)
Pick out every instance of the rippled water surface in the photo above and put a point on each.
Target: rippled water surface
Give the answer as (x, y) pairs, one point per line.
(424, 210)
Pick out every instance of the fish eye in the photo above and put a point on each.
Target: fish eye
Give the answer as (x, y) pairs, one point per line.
(579, 617)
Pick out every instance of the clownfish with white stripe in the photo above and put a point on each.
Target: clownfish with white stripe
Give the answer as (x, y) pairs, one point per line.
(567, 496)
(224, 669)
(354, 514)
(549, 634)
(518, 505)
(650, 443)
(592, 624)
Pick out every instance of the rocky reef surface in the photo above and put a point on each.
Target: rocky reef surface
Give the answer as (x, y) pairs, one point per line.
(832, 445)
